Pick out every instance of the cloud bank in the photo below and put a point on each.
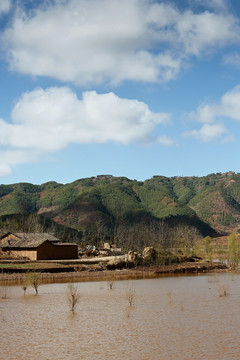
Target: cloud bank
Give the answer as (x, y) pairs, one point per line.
(214, 116)
(93, 42)
(49, 120)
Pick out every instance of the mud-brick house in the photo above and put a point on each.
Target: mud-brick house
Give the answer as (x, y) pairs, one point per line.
(37, 246)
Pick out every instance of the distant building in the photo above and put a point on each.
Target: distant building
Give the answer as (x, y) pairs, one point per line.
(37, 246)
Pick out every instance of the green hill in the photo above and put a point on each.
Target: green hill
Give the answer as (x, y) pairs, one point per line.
(130, 212)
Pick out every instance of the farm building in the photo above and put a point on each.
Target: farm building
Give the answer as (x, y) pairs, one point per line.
(37, 246)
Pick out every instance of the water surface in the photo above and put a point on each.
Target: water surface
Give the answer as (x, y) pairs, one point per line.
(179, 318)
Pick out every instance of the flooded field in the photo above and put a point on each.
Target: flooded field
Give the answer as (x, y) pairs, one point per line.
(178, 318)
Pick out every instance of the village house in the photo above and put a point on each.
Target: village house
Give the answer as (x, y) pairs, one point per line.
(37, 246)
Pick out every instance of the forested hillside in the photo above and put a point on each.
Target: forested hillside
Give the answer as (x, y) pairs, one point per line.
(128, 212)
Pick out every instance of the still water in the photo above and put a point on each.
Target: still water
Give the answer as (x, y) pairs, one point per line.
(178, 318)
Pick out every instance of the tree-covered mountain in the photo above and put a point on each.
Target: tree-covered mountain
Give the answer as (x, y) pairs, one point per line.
(130, 212)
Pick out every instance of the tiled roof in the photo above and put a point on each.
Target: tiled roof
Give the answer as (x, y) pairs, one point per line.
(29, 240)
(3, 232)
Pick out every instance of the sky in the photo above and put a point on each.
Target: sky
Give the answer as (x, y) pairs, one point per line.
(131, 88)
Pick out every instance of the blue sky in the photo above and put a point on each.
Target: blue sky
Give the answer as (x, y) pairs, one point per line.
(130, 88)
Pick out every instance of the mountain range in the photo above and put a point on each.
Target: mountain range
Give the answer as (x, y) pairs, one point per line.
(131, 213)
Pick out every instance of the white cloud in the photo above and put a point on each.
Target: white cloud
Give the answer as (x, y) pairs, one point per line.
(228, 106)
(213, 116)
(55, 117)
(207, 30)
(165, 140)
(5, 6)
(5, 170)
(210, 132)
(92, 41)
(217, 5)
(205, 114)
(12, 157)
(49, 120)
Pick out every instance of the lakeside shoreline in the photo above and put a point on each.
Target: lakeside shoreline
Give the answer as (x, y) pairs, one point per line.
(95, 274)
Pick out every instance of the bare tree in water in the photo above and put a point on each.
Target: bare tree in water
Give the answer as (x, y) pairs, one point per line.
(34, 279)
(73, 296)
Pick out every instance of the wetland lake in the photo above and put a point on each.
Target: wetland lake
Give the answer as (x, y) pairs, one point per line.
(172, 317)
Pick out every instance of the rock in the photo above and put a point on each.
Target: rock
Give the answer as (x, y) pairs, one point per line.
(149, 253)
(132, 256)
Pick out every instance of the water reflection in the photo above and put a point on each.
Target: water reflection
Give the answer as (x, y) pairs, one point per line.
(172, 318)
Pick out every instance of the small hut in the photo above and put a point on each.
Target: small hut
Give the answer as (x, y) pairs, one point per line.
(37, 246)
